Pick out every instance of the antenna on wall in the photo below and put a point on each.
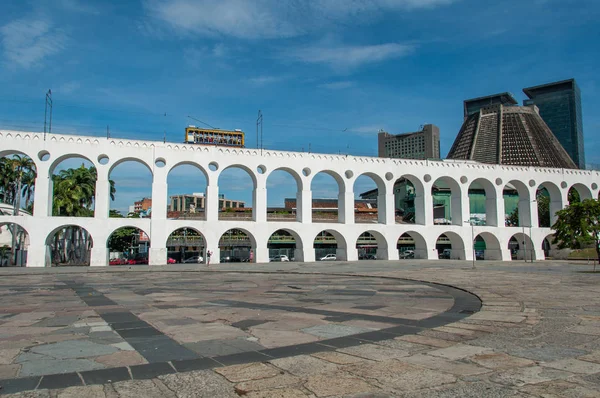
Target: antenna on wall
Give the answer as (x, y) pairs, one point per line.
(48, 105)
(259, 121)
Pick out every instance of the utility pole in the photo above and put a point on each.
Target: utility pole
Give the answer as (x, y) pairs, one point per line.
(48, 105)
(259, 121)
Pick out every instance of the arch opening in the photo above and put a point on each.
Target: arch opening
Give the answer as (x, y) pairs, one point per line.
(409, 200)
(17, 184)
(14, 243)
(482, 203)
(486, 246)
(371, 245)
(186, 189)
(516, 204)
(186, 246)
(73, 186)
(130, 189)
(283, 189)
(69, 245)
(329, 245)
(521, 247)
(128, 246)
(450, 246)
(549, 200)
(327, 197)
(285, 245)
(411, 245)
(369, 199)
(237, 246)
(237, 194)
(447, 202)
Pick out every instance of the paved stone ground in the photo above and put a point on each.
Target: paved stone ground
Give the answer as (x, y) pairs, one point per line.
(536, 335)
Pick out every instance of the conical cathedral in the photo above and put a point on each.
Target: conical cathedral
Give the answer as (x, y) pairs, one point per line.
(510, 135)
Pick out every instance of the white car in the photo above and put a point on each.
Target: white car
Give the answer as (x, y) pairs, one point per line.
(329, 257)
(280, 257)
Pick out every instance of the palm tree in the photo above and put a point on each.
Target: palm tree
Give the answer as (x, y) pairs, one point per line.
(22, 166)
(74, 195)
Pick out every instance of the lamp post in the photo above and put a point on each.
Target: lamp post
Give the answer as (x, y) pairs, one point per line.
(531, 222)
(472, 240)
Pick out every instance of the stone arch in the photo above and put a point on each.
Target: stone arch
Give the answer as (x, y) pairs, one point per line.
(129, 159)
(298, 251)
(243, 251)
(194, 207)
(420, 245)
(284, 184)
(325, 214)
(457, 249)
(189, 163)
(555, 199)
(341, 250)
(382, 244)
(290, 171)
(364, 213)
(493, 249)
(454, 200)
(488, 205)
(583, 190)
(195, 240)
(247, 169)
(523, 249)
(67, 156)
(18, 243)
(551, 249)
(523, 204)
(72, 247)
(409, 200)
(221, 203)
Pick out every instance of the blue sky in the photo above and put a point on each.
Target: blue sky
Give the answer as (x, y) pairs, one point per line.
(325, 73)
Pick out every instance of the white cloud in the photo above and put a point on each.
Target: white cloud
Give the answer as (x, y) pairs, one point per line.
(366, 130)
(264, 80)
(343, 57)
(238, 18)
(68, 88)
(272, 18)
(337, 85)
(28, 42)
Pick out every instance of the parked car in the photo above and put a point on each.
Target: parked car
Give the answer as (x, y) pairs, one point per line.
(479, 255)
(279, 257)
(329, 257)
(367, 257)
(117, 261)
(194, 259)
(446, 254)
(408, 254)
(140, 258)
(171, 260)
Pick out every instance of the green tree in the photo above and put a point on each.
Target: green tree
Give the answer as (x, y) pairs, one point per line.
(121, 239)
(4, 254)
(578, 225)
(543, 205)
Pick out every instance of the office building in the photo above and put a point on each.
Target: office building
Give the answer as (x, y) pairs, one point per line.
(424, 144)
(473, 105)
(559, 105)
(509, 135)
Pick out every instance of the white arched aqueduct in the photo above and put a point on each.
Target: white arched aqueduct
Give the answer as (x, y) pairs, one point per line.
(105, 153)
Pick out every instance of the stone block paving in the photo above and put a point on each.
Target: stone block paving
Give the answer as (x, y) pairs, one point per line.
(534, 337)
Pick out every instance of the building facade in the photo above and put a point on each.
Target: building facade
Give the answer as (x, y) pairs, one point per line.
(142, 206)
(424, 144)
(560, 107)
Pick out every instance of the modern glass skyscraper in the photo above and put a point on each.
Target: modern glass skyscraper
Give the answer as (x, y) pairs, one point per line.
(560, 107)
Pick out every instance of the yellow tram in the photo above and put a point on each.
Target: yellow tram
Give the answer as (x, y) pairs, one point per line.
(197, 135)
